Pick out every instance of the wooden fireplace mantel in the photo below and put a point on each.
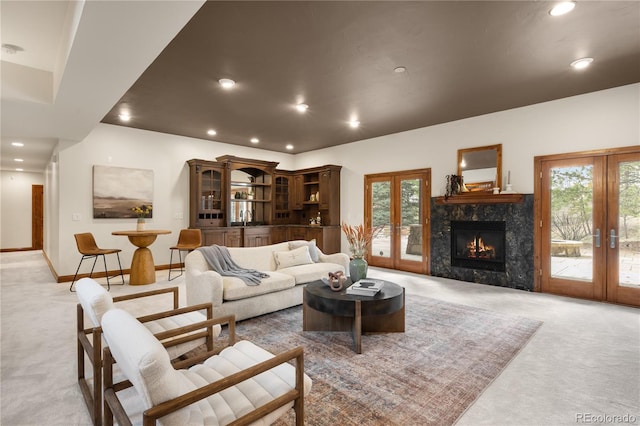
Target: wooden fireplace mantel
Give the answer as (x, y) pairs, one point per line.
(481, 199)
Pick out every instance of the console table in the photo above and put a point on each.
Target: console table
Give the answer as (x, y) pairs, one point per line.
(143, 270)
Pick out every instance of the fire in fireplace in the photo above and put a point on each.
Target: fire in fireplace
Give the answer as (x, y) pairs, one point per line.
(478, 245)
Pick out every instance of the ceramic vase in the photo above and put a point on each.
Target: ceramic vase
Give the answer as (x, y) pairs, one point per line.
(358, 269)
(140, 224)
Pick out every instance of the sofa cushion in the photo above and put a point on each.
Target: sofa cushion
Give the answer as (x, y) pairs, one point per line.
(235, 288)
(313, 248)
(295, 257)
(307, 273)
(260, 258)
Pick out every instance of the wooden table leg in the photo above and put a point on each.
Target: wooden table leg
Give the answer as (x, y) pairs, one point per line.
(143, 270)
(357, 328)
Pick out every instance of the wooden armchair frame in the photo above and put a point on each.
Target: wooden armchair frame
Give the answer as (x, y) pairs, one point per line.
(92, 346)
(113, 408)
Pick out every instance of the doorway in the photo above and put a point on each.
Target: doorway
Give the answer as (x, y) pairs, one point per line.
(399, 202)
(588, 234)
(37, 217)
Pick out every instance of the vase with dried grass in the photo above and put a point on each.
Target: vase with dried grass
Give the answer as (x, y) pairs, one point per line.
(359, 237)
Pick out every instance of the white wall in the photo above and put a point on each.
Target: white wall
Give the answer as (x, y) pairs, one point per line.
(605, 119)
(120, 146)
(15, 209)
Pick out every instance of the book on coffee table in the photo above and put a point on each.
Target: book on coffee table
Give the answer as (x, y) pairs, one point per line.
(365, 287)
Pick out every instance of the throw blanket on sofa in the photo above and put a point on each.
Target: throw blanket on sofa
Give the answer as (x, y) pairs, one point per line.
(219, 259)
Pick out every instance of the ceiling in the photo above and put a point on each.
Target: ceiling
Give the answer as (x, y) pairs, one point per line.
(462, 59)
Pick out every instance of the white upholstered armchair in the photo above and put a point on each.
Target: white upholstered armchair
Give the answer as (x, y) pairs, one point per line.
(180, 329)
(242, 384)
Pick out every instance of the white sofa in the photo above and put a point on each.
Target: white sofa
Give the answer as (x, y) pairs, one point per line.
(289, 266)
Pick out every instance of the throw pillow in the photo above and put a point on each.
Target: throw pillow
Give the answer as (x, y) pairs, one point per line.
(286, 259)
(313, 249)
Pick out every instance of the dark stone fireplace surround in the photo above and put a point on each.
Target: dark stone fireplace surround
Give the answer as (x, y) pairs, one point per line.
(518, 218)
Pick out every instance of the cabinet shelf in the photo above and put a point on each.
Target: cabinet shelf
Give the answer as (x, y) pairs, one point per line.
(315, 182)
(249, 184)
(252, 200)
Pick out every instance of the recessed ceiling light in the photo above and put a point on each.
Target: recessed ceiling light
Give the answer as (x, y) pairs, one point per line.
(124, 116)
(226, 83)
(354, 123)
(581, 63)
(562, 8)
(289, 147)
(19, 160)
(255, 140)
(17, 144)
(302, 107)
(399, 70)
(211, 132)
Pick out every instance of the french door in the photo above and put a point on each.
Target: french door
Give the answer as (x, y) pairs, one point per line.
(399, 202)
(588, 218)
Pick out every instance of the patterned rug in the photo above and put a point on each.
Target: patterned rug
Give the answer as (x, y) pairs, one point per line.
(428, 375)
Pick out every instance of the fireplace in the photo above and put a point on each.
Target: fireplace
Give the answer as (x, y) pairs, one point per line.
(478, 245)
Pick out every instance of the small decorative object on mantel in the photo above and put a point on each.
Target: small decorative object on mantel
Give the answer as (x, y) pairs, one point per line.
(142, 213)
(453, 185)
(508, 189)
(359, 239)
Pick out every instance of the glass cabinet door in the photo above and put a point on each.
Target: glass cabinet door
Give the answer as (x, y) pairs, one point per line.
(210, 201)
(210, 191)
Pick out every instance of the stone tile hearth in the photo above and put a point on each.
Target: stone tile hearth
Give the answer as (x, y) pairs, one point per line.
(518, 218)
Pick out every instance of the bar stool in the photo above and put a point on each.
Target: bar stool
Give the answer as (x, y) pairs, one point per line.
(188, 240)
(88, 248)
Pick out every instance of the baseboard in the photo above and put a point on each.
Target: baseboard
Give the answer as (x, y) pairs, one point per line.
(69, 278)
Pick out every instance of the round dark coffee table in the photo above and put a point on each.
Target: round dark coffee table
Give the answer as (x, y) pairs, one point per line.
(327, 310)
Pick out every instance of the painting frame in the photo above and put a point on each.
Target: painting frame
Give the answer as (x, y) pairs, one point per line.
(118, 190)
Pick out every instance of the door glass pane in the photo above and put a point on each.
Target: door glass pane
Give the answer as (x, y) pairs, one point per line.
(572, 223)
(381, 215)
(629, 223)
(410, 219)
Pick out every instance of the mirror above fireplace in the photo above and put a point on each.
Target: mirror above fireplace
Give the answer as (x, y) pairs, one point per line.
(480, 168)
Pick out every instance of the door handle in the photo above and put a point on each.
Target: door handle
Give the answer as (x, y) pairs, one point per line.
(597, 238)
(612, 240)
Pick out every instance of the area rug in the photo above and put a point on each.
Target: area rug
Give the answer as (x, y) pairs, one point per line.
(428, 375)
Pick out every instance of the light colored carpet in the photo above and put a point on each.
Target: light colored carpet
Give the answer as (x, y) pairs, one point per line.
(583, 361)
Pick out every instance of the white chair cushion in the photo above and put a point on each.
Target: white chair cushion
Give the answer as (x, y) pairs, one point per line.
(94, 298)
(181, 320)
(144, 361)
(295, 257)
(237, 401)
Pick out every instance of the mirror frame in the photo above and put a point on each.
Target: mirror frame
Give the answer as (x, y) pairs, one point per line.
(482, 189)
